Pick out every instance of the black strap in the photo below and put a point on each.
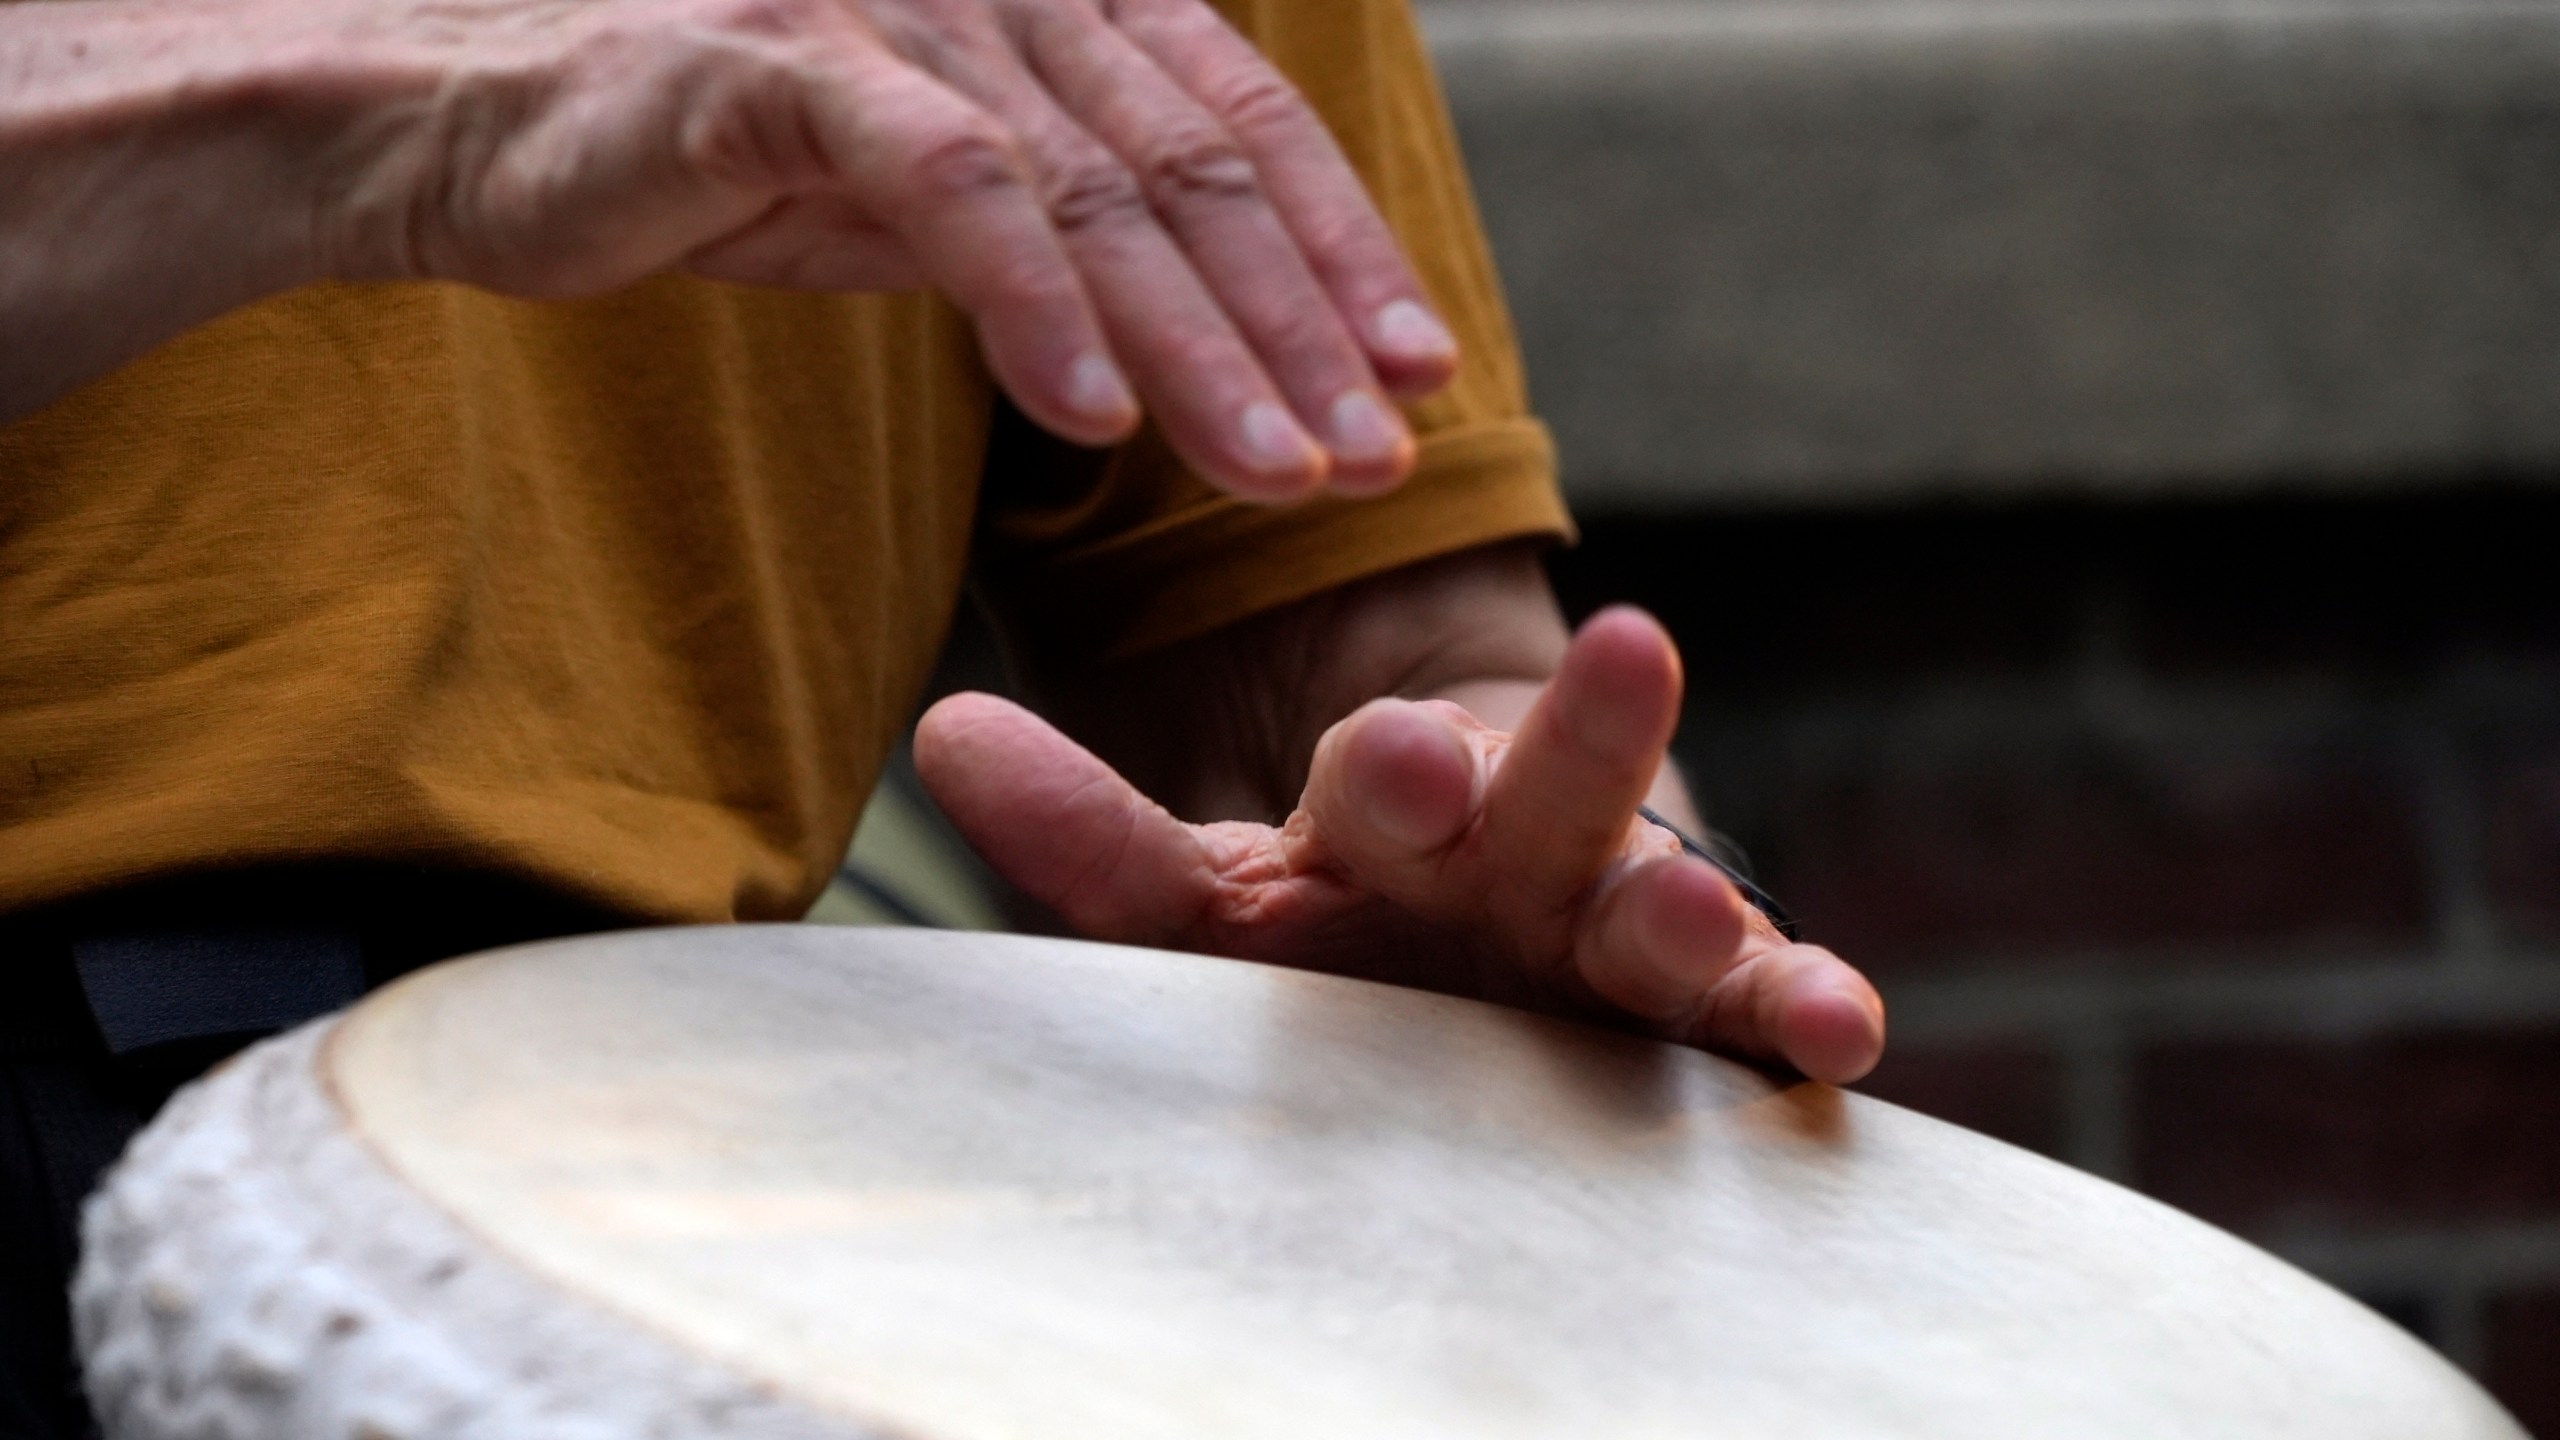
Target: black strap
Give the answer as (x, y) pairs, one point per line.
(154, 988)
(161, 964)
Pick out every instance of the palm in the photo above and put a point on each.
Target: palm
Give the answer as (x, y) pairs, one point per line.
(1430, 850)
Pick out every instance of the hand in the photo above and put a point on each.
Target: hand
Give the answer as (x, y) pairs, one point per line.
(1429, 849)
(1122, 193)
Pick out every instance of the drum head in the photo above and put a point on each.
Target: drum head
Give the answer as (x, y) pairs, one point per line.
(963, 1187)
(799, 1184)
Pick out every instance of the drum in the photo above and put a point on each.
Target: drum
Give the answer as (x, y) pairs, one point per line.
(906, 1185)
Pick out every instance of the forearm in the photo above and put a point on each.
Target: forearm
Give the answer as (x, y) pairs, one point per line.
(164, 160)
(156, 169)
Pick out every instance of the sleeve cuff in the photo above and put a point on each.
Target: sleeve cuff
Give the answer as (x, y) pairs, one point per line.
(1221, 561)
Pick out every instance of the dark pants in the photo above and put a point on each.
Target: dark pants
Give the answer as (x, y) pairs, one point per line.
(109, 1005)
(64, 1117)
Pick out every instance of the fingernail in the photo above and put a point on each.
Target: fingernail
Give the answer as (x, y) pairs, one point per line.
(1407, 329)
(1274, 442)
(1366, 431)
(1095, 387)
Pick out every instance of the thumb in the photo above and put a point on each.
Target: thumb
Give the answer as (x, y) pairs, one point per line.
(1060, 825)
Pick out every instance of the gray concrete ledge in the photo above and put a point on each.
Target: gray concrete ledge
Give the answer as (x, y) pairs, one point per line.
(1838, 250)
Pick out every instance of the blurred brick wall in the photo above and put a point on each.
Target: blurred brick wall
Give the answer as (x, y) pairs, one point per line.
(2212, 848)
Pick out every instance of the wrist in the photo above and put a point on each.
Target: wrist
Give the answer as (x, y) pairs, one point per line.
(161, 162)
(219, 121)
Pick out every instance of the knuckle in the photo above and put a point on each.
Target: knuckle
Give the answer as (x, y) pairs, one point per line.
(1200, 165)
(754, 131)
(1189, 25)
(768, 18)
(963, 161)
(1350, 232)
(1093, 192)
(1209, 354)
(1307, 332)
(1257, 98)
(1031, 284)
(922, 39)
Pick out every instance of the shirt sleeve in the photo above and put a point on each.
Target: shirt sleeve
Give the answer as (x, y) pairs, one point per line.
(1104, 554)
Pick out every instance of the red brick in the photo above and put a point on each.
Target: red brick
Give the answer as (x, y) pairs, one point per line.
(2011, 1093)
(2522, 1366)
(2099, 847)
(2420, 1129)
(2520, 805)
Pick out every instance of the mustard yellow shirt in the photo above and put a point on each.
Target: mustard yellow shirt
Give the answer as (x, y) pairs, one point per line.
(631, 597)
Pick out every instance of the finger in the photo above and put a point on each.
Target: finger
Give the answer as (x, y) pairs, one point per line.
(1659, 938)
(1317, 193)
(1058, 823)
(959, 194)
(1799, 1004)
(1673, 943)
(1391, 791)
(1212, 398)
(1205, 190)
(1558, 809)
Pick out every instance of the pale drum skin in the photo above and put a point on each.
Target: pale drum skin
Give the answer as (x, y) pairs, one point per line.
(794, 1181)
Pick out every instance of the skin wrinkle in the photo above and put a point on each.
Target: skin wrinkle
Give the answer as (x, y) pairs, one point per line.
(1093, 193)
(1243, 908)
(1206, 727)
(457, 152)
(554, 151)
(741, 140)
(1258, 698)
(1281, 894)
(1474, 906)
(1261, 704)
(1679, 1021)
(1198, 164)
(549, 149)
(1254, 102)
(1102, 862)
(1712, 1014)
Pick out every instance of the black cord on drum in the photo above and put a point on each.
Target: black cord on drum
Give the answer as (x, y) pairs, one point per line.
(1761, 900)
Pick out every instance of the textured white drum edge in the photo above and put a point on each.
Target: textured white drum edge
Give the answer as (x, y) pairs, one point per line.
(324, 1241)
(252, 1272)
